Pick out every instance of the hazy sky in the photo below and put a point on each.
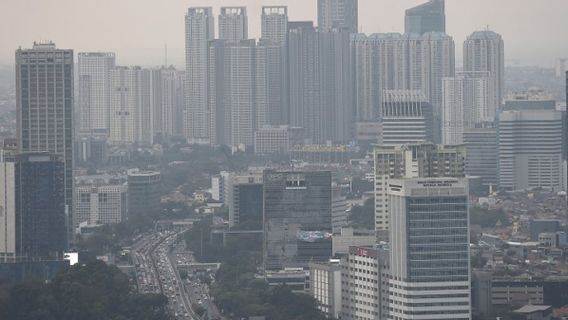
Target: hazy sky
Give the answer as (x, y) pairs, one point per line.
(535, 31)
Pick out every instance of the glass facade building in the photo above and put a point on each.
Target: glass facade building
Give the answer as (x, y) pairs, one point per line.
(429, 237)
(40, 206)
(427, 17)
(296, 218)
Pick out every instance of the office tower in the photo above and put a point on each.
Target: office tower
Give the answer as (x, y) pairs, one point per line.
(412, 161)
(401, 62)
(199, 30)
(32, 189)
(94, 92)
(274, 24)
(297, 218)
(144, 193)
(238, 91)
(429, 239)
(44, 101)
(321, 86)
(484, 51)
(100, 204)
(427, 17)
(482, 157)
(338, 15)
(233, 23)
(361, 272)
(132, 106)
(168, 94)
(245, 201)
(468, 100)
(326, 287)
(40, 205)
(530, 145)
(407, 118)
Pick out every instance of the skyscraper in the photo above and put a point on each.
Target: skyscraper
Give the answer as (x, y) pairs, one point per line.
(199, 30)
(274, 24)
(411, 161)
(530, 145)
(238, 91)
(429, 239)
(168, 89)
(274, 39)
(233, 23)
(296, 218)
(426, 17)
(44, 101)
(338, 15)
(321, 86)
(407, 118)
(468, 100)
(95, 92)
(484, 51)
(401, 62)
(132, 106)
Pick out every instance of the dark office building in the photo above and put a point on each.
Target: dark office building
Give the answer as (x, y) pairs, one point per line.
(144, 192)
(427, 17)
(40, 206)
(297, 218)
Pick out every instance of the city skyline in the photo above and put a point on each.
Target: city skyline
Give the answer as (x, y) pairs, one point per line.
(146, 43)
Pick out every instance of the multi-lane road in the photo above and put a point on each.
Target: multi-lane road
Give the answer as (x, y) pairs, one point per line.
(155, 257)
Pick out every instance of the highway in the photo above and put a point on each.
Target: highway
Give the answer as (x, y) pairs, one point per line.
(156, 256)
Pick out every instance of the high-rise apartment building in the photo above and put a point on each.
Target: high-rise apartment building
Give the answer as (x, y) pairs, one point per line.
(484, 51)
(401, 62)
(238, 91)
(44, 103)
(407, 118)
(530, 145)
(168, 87)
(468, 100)
(274, 24)
(429, 254)
(95, 92)
(144, 192)
(233, 23)
(132, 106)
(482, 157)
(338, 15)
(321, 86)
(199, 30)
(274, 39)
(411, 161)
(427, 17)
(296, 218)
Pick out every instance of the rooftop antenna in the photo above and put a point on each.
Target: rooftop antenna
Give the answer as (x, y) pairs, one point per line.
(166, 55)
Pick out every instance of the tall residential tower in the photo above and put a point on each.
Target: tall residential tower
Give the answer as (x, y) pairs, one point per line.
(199, 30)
